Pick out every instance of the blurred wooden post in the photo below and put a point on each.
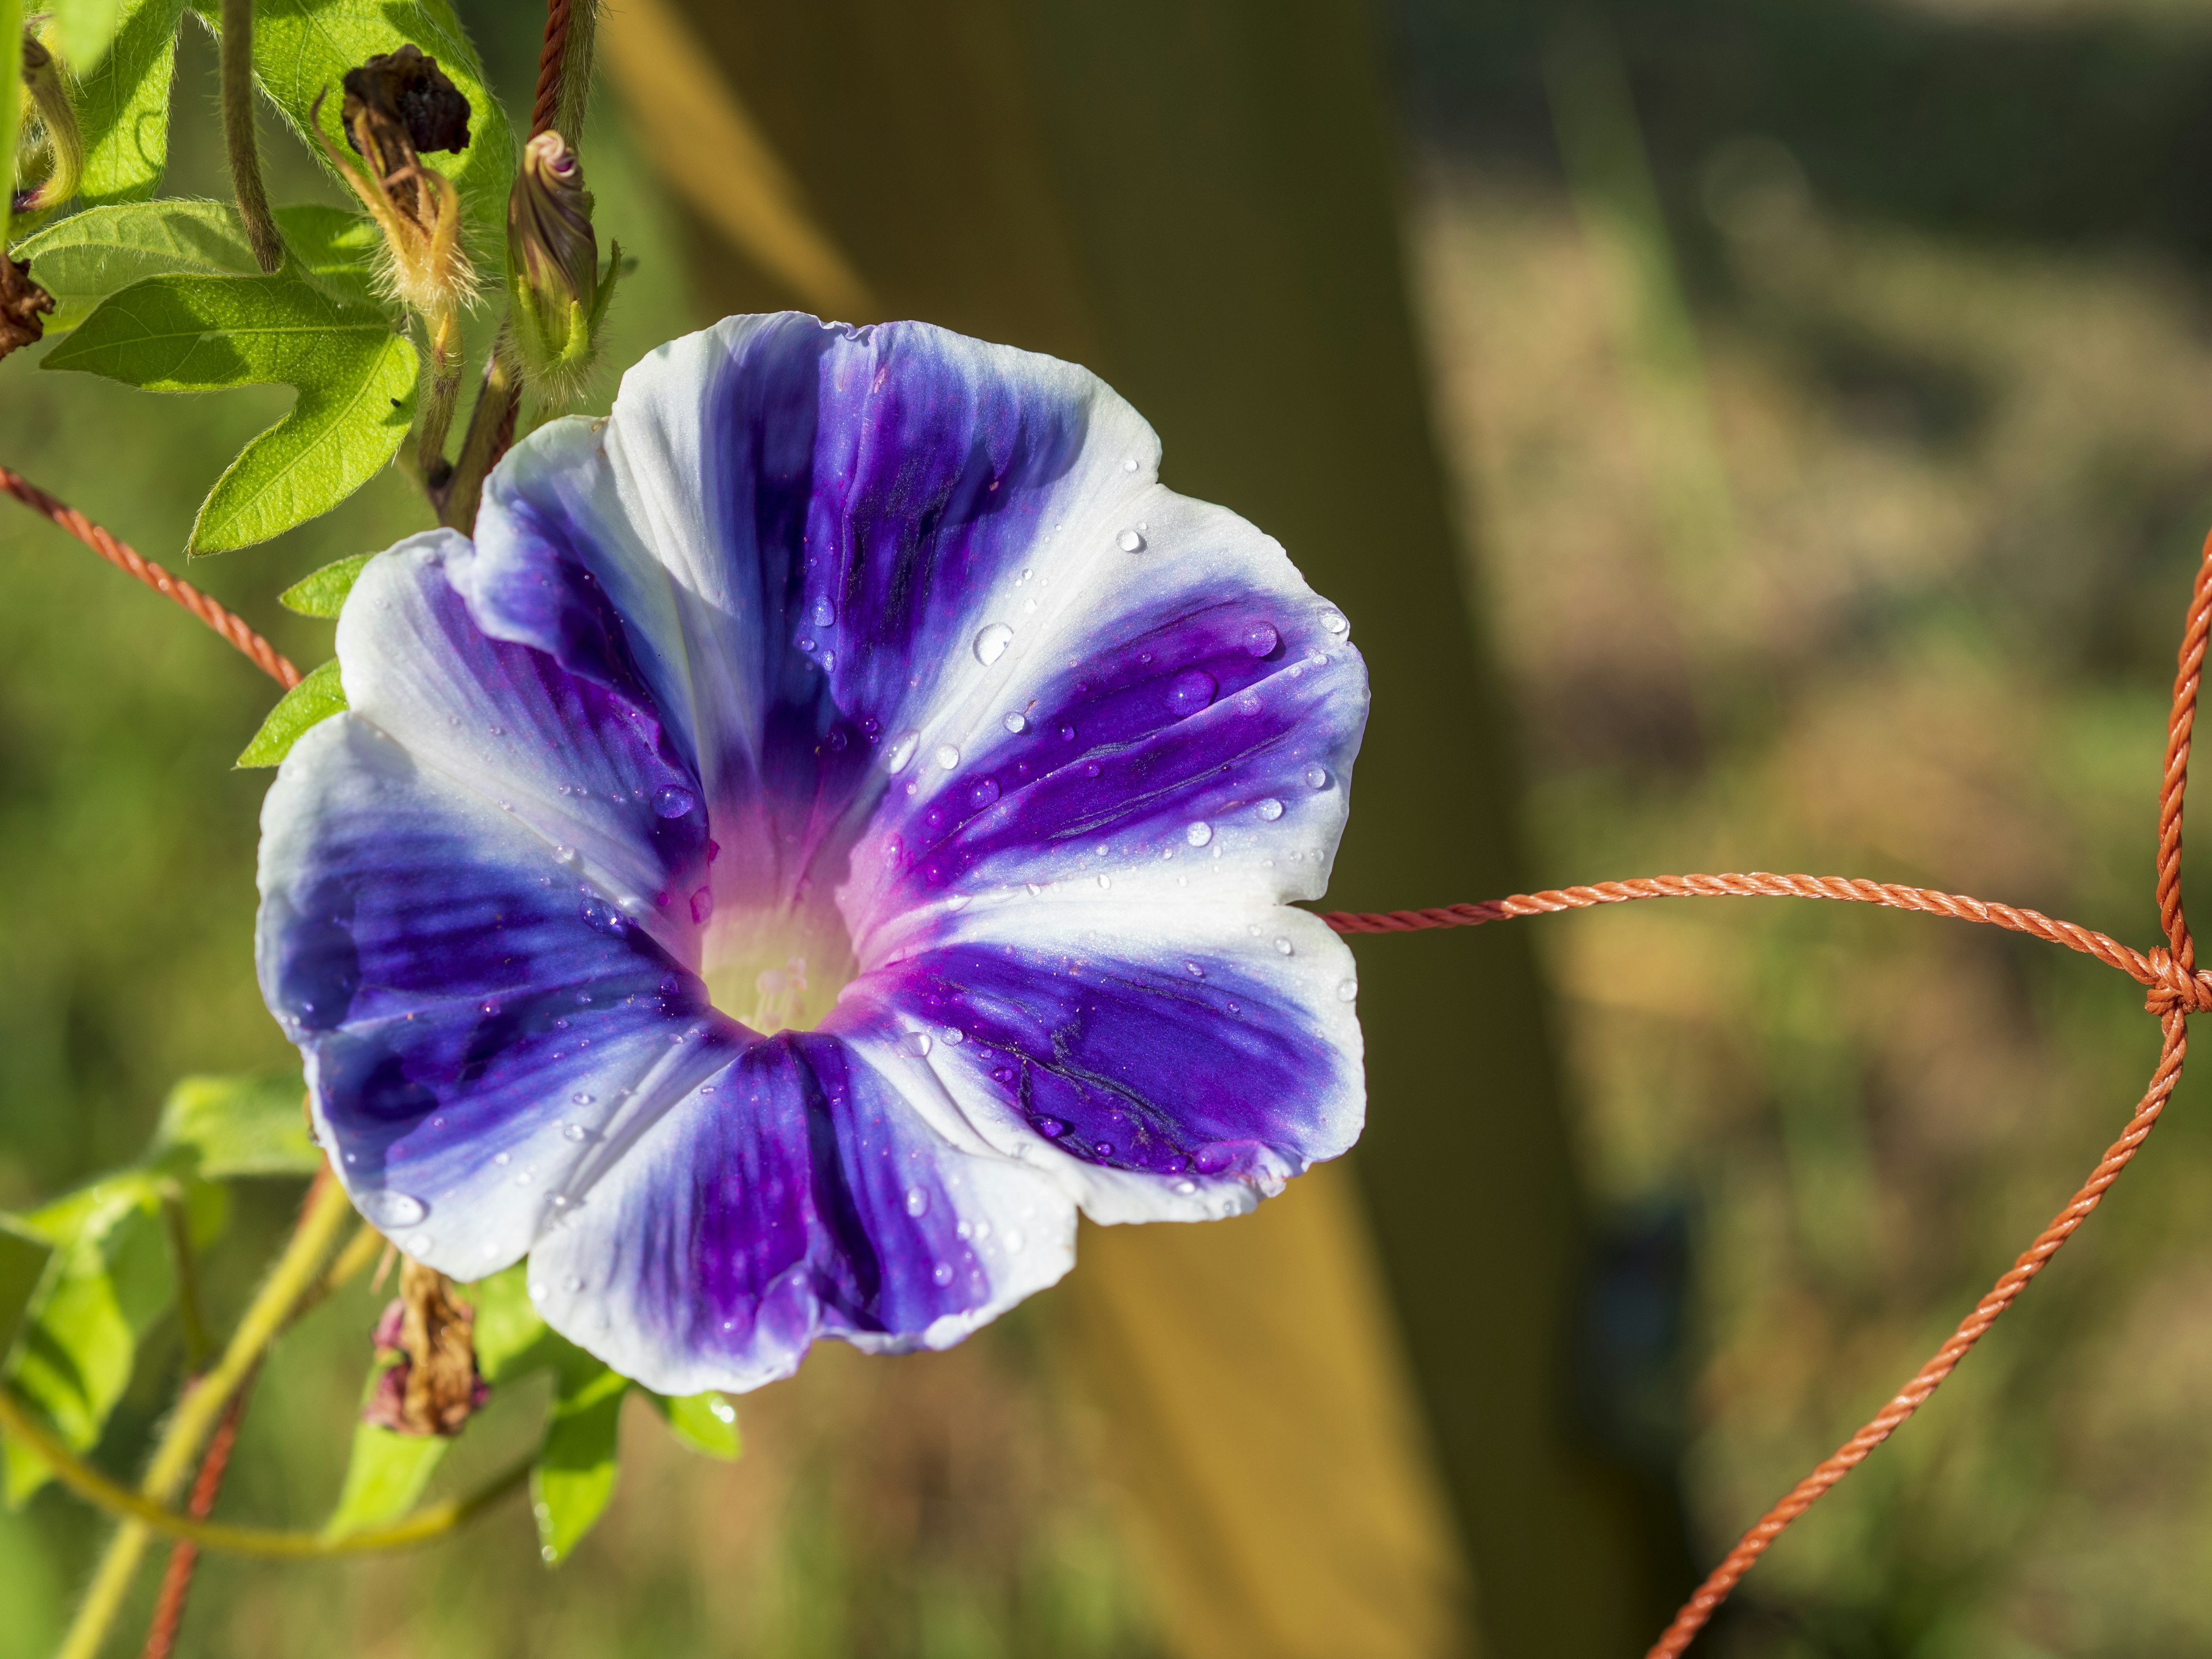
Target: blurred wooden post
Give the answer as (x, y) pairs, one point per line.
(1198, 199)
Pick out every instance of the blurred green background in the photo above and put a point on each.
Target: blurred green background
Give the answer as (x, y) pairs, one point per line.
(1829, 389)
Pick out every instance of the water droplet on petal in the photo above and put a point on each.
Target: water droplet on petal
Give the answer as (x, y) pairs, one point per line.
(1105, 881)
(1271, 809)
(1191, 691)
(501, 1159)
(1346, 989)
(1284, 947)
(1013, 1241)
(917, 1201)
(1316, 777)
(1129, 466)
(1194, 970)
(569, 855)
(1186, 1188)
(991, 643)
(1066, 733)
(1199, 834)
(702, 905)
(955, 1035)
(901, 751)
(1051, 1127)
(387, 1208)
(1130, 542)
(1333, 621)
(942, 1272)
(601, 915)
(574, 1132)
(1103, 1148)
(573, 1284)
(947, 755)
(673, 800)
(419, 1245)
(822, 614)
(1260, 638)
(1017, 725)
(917, 1042)
(984, 791)
(579, 1098)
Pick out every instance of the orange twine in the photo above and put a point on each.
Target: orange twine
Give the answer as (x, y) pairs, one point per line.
(2176, 990)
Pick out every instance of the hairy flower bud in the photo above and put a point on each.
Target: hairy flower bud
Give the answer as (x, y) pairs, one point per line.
(553, 269)
(397, 105)
(57, 133)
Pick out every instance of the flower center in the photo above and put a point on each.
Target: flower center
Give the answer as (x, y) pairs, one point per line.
(777, 970)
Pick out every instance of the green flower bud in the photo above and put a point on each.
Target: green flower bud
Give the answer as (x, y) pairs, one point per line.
(553, 269)
(57, 133)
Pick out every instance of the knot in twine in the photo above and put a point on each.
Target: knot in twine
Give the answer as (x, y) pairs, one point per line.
(2175, 989)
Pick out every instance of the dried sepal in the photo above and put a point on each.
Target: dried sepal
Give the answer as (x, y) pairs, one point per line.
(415, 205)
(434, 1386)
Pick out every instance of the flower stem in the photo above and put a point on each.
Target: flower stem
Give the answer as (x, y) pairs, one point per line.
(239, 137)
(143, 1513)
(11, 104)
(491, 426)
(194, 1419)
(445, 331)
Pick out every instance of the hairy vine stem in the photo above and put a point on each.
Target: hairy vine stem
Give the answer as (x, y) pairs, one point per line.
(239, 141)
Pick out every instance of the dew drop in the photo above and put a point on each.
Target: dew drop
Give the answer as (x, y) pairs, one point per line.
(1017, 725)
(1051, 1127)
(1271, 809)
(1014, 1241)
(673, 800)
(1194, 970)
(917, 1201)
(574, 1132)
(1130, 542)
(916, 1044)
(982, 793)
(1103, 1148)
(419, 1245)
(569, 856)
(1346, 989)
(942, 1272)
(573, 1284)
(1129, 466)
(702, 905)
(502, 1158)
(1199, 834)
(579, 1098)
(1105, 881)
(991, 643)
(901, 751)
(1284, 947)
(822, 614)
(947, 755)
(387, 1208)
(601, 915)
(1333, 621)
(1191, 691)
(1261, 640)
(1316, 777)
(954, 1036)
(1186, 1188)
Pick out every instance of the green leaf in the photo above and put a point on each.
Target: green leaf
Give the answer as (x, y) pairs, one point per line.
(302, 48)
(83, 30)
(510, 1340)
(222, 1127)
(324, 593)
(23, 1258)
(313, 701)
(386, 1475)
(705, 1422)
(122, 105)
(573, 1478)
(355, 376)
(86, 258)
(110, 1279)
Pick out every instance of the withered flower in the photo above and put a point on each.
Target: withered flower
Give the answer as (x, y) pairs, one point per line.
(435, 1387)
(553, 268)
(392, 101)
(23, 303)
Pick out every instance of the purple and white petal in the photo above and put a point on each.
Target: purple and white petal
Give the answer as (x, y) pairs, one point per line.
(476, 1020)
(796, 1194)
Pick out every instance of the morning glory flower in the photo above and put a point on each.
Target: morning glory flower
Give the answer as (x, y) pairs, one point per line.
(838, 818)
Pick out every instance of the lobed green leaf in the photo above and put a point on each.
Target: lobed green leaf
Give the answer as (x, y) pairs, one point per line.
(83, 30)
(355, 376)
(324, 593)
(122, 103)
(89, 255)
(222, 1127)
(313, 701)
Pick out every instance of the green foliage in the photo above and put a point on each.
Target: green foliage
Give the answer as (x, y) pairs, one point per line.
(89, 255)
(386, 1475)
(355, 376)
(708, 1423)
(122, 105)
(313, 700)
(110, 1277)
(23, 1259)
(573, 1480)
(302, 49)
(220, 1128)
(84, 29)
(324, 593)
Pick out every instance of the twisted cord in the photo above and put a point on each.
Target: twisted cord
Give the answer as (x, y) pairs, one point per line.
(546, 104)
(263, 655)
(184, 1555)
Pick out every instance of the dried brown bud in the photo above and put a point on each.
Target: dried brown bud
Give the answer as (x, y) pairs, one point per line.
(23, 303)
(408, 89)
(434, 1389)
